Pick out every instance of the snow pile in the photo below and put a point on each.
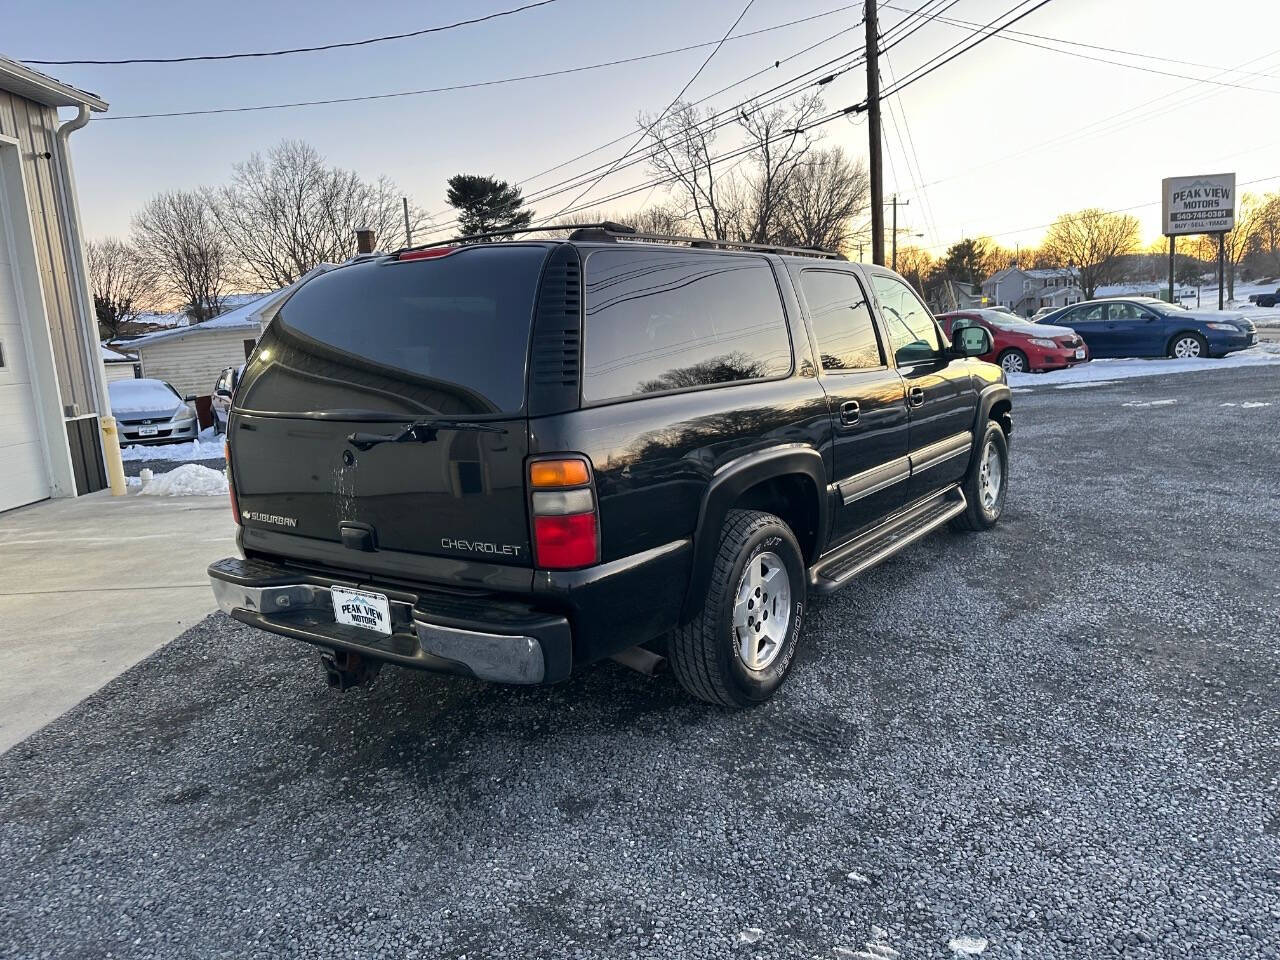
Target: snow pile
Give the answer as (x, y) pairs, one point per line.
(208, 446)
(967, 946)
(1260, 354)
(188, 480)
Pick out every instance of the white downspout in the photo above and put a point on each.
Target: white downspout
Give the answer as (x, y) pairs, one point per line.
(80, 286)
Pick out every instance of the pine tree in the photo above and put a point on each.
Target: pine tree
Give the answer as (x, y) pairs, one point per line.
(485, 204)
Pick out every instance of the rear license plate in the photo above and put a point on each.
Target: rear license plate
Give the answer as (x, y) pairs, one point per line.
(359, 608)
(1079, 353)
(148, 431)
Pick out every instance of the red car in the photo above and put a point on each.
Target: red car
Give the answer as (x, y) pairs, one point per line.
(1020, 345)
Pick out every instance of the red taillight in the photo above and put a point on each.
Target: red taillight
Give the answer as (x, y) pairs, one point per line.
(231, 486)
(427, 254)
(562, 543)
(566, 531)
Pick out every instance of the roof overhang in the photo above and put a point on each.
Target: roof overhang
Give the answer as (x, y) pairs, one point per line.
(41, 88)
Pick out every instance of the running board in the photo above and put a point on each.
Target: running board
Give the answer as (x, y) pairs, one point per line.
(896, 533)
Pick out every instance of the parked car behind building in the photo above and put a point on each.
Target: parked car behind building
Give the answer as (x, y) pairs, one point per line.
(1020, 346)
(1146, 327)
(151, 411)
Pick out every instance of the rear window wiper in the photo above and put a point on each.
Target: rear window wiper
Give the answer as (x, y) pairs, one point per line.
(420, 431)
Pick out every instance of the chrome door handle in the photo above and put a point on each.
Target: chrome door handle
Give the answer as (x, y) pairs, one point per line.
(850, 410)
(915, 397)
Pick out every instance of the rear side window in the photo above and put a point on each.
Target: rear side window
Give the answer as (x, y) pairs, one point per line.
(450, 335)
(660, 320)
(841, 320)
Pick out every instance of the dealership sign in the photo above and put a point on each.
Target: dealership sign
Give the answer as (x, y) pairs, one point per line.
(1204, 204)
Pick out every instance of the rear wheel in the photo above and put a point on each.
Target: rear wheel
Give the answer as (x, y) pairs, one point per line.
(1188, 345)
(1014, 361)
(737, 650)
(987, 482)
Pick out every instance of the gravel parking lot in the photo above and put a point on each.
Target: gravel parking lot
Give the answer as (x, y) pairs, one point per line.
(1059, 738)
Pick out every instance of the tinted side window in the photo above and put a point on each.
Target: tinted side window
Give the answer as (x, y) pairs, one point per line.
(912, 332)
(841, 320)
(1123, 311)
(669, 319)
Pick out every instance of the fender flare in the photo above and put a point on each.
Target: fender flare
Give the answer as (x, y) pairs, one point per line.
(728, 483)
(988, 398)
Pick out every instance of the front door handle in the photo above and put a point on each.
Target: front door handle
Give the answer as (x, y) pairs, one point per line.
(915, 397)
(850, 410)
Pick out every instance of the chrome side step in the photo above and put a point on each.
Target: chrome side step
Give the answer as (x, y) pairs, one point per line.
(896, 533)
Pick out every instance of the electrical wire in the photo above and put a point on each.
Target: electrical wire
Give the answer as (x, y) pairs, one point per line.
(293, 50)
(665, 110)
(253, 108)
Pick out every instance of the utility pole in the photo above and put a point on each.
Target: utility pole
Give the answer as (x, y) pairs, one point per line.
(896, 201)
(873, 134)
(1222, 251)
(408, 230)
(1171, 268)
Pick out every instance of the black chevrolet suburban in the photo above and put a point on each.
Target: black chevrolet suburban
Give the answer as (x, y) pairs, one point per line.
(511, 458)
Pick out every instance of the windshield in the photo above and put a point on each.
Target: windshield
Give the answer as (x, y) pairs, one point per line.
(1159, 306)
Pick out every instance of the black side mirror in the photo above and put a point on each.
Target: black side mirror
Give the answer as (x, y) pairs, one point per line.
(189, 398)
(223, 392)
(971, 342)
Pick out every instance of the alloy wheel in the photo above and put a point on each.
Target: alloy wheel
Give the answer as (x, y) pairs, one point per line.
(762, 611)
(1187, 347)
(1012, 363)
(990, 476)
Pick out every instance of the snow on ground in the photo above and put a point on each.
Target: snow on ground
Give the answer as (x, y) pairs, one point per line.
(208, 446)
(967, 946)
(188, 480)
(1261, 354)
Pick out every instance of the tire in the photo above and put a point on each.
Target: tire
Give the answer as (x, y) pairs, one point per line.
(707, 654)
(1187, 345)
(983, 510)
(1014, 361)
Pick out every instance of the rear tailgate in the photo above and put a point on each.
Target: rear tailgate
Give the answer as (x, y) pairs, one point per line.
(323, 457)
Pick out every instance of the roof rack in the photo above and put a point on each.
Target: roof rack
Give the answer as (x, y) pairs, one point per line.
(603, 232)
(610, 232)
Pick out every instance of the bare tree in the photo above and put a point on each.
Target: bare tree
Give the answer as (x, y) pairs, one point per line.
(683, 153)
(778, 145)
(1091, 241)
(287, 212)
(662, 219)
(823, 196)
(177, 237)
(1250, 233)
(121, 282)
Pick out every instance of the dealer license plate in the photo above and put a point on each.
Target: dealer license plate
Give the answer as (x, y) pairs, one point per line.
(1079, 353)
(359, 608)
(148, 431)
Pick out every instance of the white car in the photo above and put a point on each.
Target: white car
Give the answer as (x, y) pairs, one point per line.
(1041, 314)
(152, 411)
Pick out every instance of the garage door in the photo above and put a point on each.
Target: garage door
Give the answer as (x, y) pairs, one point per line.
(24, 475)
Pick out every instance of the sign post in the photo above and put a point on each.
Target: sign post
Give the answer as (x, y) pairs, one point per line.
(1204, 204)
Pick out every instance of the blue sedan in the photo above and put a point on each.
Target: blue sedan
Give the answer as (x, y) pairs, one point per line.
(1146, 327)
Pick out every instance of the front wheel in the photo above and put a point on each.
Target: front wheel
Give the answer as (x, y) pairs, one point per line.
(737, 650)
(987, 482)
(1014, 361)
(1186, 345)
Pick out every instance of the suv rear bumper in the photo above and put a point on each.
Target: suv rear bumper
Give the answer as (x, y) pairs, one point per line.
(446, 633)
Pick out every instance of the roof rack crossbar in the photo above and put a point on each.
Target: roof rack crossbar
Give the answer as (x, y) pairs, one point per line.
(612, 232)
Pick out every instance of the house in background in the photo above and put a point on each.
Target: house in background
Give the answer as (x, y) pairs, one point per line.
(1026, 291)
(52, 384)
(117, 365)
(191, 357)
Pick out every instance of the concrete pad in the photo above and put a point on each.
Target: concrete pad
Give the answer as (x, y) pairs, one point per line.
(90, 586)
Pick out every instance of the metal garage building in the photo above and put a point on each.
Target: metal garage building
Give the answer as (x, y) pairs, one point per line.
(52, 385)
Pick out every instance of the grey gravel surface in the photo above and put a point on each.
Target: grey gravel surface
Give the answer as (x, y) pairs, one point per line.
(1060, 737)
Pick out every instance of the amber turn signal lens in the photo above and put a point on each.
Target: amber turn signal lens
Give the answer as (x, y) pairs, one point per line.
(558, 473)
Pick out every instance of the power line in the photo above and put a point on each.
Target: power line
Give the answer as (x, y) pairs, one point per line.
(1117, 63)
(293, 50)
(252, 108)
(665, 110)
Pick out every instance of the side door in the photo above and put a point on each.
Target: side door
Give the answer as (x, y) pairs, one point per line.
(941, 402)
(867, 398)
(1131, 331)
(1089, 321)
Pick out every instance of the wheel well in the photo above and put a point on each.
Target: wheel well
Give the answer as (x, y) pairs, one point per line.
(1002, 413)
(794, 500)
(1184, 333)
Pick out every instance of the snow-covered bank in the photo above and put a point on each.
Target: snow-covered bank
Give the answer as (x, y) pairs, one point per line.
(208, 446)
(1261, 354)
(188, 480)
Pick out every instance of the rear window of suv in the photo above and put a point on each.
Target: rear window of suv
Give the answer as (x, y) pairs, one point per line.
(661, 320)
(456, 327)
